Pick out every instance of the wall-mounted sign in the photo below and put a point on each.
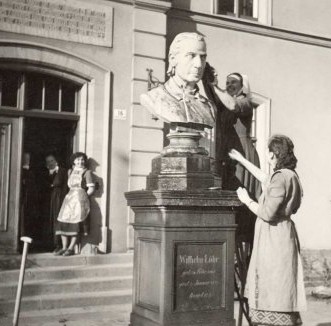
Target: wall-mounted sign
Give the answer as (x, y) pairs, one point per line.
(120, 114)
(70, 20)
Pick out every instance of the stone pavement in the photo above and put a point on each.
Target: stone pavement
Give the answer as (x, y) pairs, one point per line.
(318, 314)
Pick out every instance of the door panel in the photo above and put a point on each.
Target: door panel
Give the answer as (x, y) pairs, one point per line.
(10, 162)
(5, 140)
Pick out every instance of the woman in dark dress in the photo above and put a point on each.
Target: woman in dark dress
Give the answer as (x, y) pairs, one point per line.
(56, 183)
(233, 124)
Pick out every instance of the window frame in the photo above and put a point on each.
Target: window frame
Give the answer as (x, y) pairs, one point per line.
(261, 127)
(264, 12)
(20, 109)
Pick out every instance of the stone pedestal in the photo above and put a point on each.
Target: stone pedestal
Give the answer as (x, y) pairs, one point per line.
(184, 243)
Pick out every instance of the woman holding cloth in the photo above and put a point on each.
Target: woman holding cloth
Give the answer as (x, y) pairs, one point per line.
(275, 287)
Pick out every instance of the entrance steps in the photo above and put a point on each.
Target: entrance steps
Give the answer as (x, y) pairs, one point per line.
(52, 283)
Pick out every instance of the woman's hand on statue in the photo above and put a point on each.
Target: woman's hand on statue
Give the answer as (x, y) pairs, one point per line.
(235, 155)
(243, 196)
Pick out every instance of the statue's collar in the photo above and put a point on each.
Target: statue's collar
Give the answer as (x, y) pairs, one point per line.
(176, 88)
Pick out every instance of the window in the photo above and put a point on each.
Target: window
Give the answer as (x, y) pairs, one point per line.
(9, 84)
(237, 8)
(48, 93)
(255, 10)
(42, 92)
(260, 130)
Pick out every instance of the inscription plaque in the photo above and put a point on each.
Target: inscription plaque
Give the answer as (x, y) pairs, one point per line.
(198, 276)
(74, 20)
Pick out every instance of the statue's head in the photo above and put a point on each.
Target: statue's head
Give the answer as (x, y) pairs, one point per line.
(187, 57)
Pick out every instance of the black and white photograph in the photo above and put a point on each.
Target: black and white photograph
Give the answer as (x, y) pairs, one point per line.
(165, 163)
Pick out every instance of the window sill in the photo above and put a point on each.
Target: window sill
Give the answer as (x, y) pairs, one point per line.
(240, 18)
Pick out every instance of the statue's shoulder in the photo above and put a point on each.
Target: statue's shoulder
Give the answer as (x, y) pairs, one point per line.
(155, 93)
(157, 96)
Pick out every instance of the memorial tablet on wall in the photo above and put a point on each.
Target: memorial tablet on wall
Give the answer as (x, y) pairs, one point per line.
(75, 20)
(199, 276)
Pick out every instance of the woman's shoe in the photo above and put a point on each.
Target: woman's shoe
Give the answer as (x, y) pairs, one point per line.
(69, 252)
(60, 252)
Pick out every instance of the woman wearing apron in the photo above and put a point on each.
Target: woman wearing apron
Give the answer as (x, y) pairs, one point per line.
(76, 205)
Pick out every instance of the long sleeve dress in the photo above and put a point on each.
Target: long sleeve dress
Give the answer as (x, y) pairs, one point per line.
(275, 287)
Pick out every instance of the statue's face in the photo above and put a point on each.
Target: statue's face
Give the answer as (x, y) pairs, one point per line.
(190, 61)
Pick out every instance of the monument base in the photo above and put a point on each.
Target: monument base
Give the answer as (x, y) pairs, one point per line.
(137, 320)
(184, 240)
(183, 259)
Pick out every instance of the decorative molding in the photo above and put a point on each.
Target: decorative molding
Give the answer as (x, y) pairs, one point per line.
(144, 151)
(38, 114)
(147, 127)
(5, 154)
(138, 175)
(127, 2)
(262, 115)
(249, 27)
(148, 32)
(148, 57)
(43, 47)
(153, 5)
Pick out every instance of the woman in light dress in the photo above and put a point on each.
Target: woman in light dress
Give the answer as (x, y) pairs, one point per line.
(72, 219)
(275, 287)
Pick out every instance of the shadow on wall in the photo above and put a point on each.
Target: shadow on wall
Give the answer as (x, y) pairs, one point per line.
(91, 241)
(185, 4)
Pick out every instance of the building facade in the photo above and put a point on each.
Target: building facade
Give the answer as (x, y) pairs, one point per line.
(71, 73)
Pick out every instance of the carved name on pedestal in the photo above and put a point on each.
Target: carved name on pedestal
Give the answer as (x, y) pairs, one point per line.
(199, 276)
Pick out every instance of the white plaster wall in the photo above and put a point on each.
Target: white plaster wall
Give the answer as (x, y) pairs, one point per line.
(306, 16)
(295, 77)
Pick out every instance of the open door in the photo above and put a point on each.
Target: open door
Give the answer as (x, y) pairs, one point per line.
(42, 137)
(10, 173)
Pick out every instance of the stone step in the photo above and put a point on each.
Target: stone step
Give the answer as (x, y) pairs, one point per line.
(67, 272)
(12, 262)
(78, 285)
(68, 300)
(114, 315)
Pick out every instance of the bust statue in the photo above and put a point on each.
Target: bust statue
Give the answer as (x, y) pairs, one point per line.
(178, 100)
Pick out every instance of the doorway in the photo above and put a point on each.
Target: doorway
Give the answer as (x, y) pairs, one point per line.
(42, 137)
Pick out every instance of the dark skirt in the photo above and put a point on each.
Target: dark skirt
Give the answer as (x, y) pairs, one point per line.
(73, 229)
